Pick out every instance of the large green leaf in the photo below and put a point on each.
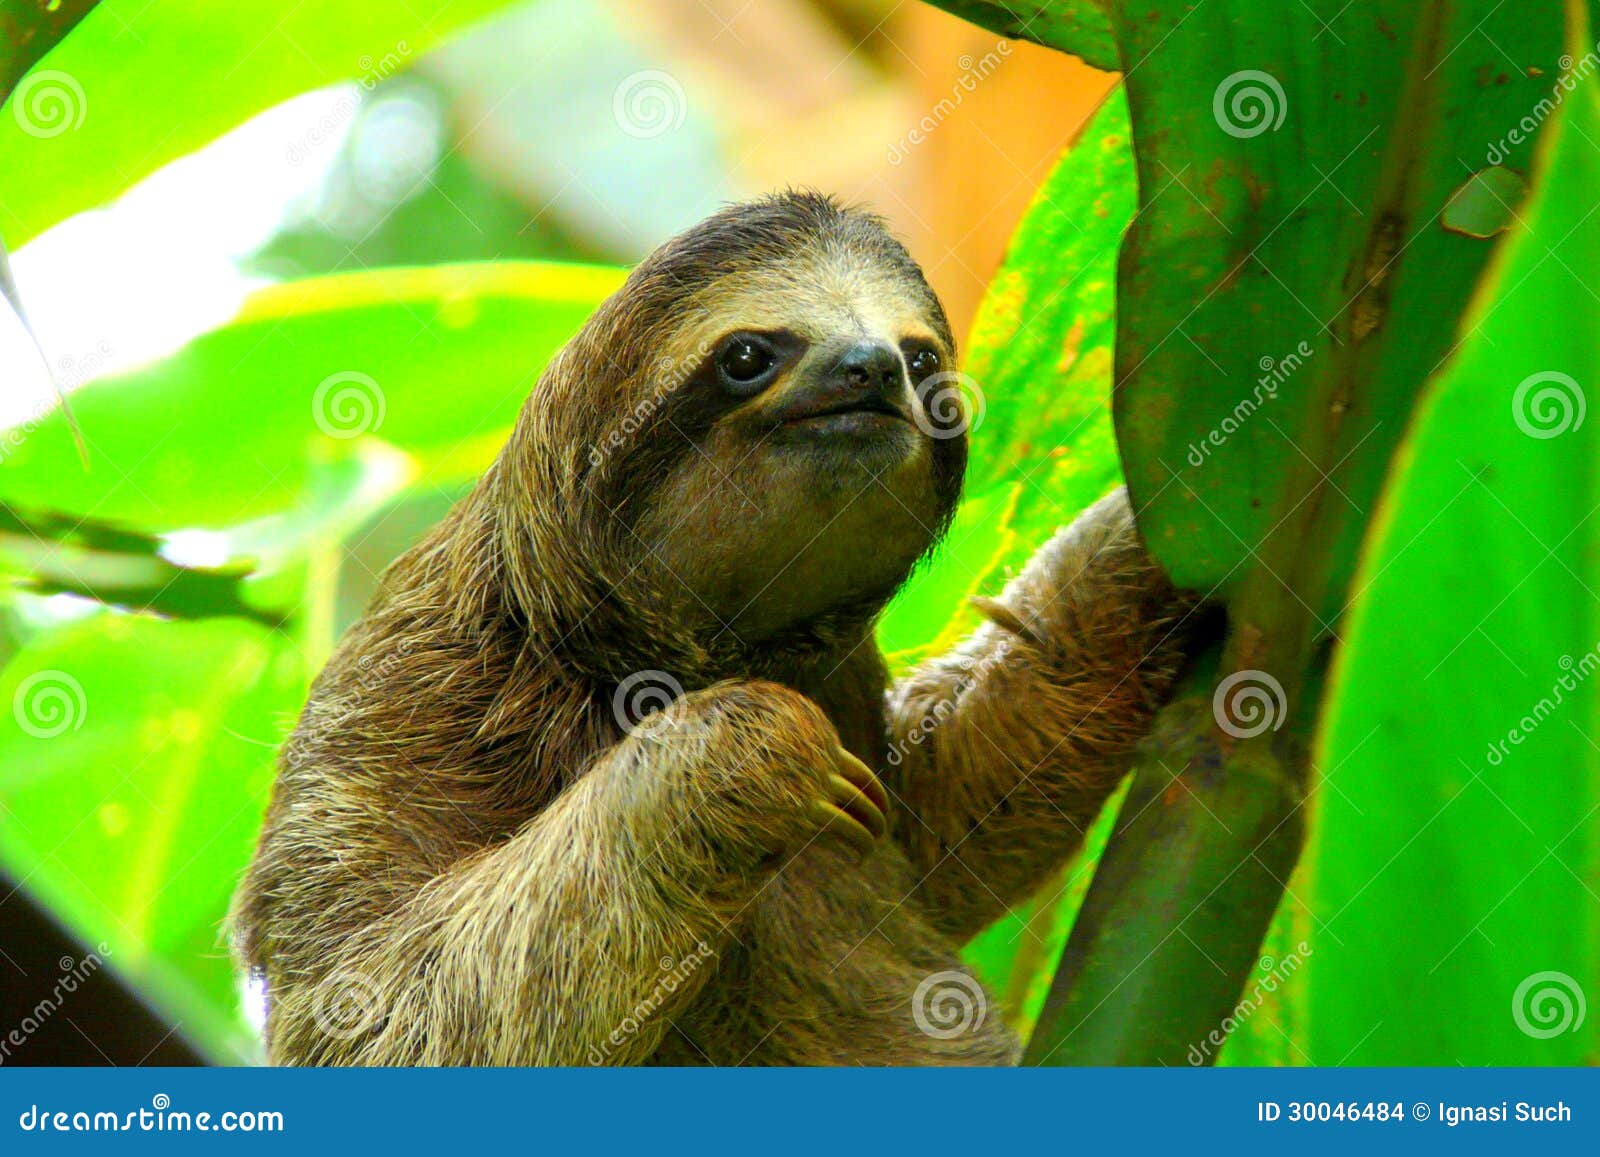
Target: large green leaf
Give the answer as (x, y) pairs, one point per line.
(135, 759)
(1455, 871)
(138, 84)
(1290, 282)
(434, 361)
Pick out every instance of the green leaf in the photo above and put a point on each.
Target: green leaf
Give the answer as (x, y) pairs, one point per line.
(434, 361)
(1079, 27)
(1455, 861)
(135, 760)
(137, 84)
(1288, 284)
(51, 554)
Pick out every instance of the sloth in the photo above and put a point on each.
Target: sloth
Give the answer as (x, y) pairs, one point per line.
(612, 770)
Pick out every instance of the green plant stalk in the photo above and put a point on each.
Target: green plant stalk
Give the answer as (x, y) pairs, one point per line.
(1172, 925)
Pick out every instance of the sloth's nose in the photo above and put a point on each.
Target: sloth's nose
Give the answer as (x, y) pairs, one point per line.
(873, 366)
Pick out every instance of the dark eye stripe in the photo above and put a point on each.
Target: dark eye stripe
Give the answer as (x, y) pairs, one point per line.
(675, 426)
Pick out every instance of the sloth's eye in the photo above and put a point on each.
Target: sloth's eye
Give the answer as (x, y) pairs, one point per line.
(745, 360)
(921, 363)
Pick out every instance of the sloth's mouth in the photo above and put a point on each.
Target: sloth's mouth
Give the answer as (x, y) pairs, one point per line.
(861, 410)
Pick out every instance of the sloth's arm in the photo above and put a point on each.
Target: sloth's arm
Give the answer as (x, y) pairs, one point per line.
(1004, 750)
(577, 940)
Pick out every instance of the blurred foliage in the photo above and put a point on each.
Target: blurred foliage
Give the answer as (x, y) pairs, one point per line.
(148, 83)
(317, 434)
(434, 361)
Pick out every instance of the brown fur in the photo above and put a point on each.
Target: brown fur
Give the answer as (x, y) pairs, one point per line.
(469, 859)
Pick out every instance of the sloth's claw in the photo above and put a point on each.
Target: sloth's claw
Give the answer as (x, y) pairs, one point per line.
(861, 776)
(831, 818)
(856, 804)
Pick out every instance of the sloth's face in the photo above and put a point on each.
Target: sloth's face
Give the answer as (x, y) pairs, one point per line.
(811, 443)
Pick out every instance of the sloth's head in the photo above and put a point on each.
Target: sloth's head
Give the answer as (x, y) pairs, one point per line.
(760, 430)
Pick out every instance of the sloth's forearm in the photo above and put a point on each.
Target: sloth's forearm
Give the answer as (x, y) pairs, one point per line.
(574, 942)
(1005, 750)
